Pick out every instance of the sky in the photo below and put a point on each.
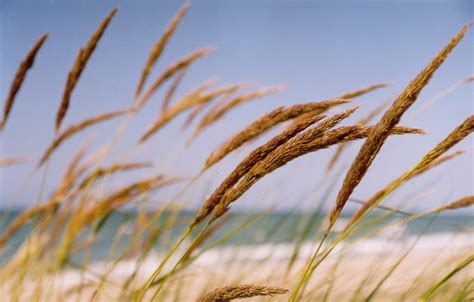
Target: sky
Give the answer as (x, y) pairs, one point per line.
(320, 49)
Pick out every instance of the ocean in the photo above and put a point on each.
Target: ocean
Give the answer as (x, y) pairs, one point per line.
(272, 235)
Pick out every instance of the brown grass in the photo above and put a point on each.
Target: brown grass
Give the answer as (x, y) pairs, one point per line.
(11, 161)
(383, 128)
(20, 77)
(120, 167)
(430, 160)
(260, 153)
(217, 113)
(73, 129)
(460, 203)
(363, 121)
(248, 162)
(169, 72)
(119, 198)
(62, 194)
(362, 91)
(195, 98)
(229, 293)
(79, 66)
(172, 89)
(159, 46)
(266, 122)
(309, 141)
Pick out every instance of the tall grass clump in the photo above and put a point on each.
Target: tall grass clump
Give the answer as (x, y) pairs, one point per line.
(119, 224)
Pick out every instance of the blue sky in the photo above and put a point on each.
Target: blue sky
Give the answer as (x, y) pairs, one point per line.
(319, 48)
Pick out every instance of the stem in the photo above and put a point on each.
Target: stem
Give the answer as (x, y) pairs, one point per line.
(157, 272)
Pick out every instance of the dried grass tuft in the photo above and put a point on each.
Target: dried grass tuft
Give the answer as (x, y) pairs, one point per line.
(169, 72)
(20, 76)
(195, 98)
(172, 89)
(309, 141)
(248, 162)
(118, 199)
(266, 122)
(229, 293)
(460, 203)
(12, 161)
(79, 66)
(216, 114)
(73, 129)
(362, 91)
(159, 46)
(430, 160)
(383, 128)
(120, 167)
(363, 121)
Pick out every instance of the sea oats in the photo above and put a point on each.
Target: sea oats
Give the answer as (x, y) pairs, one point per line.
(469, 79)
(159, 46)
(260, 153)
(123, 196)
(309, 141)
(383, 128)
(19, 221)
(266, 122)
(193, 114)
(73, 129)
(120, 167)
(20, 77)
(189, 101)
(200, 108)
(62, 193)
(362, 91)
(11, 161)
(458, 134)
(216, 114)
(354, 94)
(79, 66)
(169, 72)
(460, 203)
(172, 90)
(430, 160)
(229, 293)
(363, 121)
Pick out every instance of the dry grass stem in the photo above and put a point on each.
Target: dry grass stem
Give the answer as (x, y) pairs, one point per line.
(363, 121)
(229, 293)
(102, 172)
(159, 46)
(430, 160)
(383, 128)
(172, 90)
(12, 161)
(266, 122)
(248, 162)
(362, 91)
(309, 141)
(62, 194)
(20, 76)
(460, 203)
(73, 129)
(217, 113)
(169, 72)
(201, 107)
(195, 98)
(469, 79)
(119, 198)
(79, 65)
